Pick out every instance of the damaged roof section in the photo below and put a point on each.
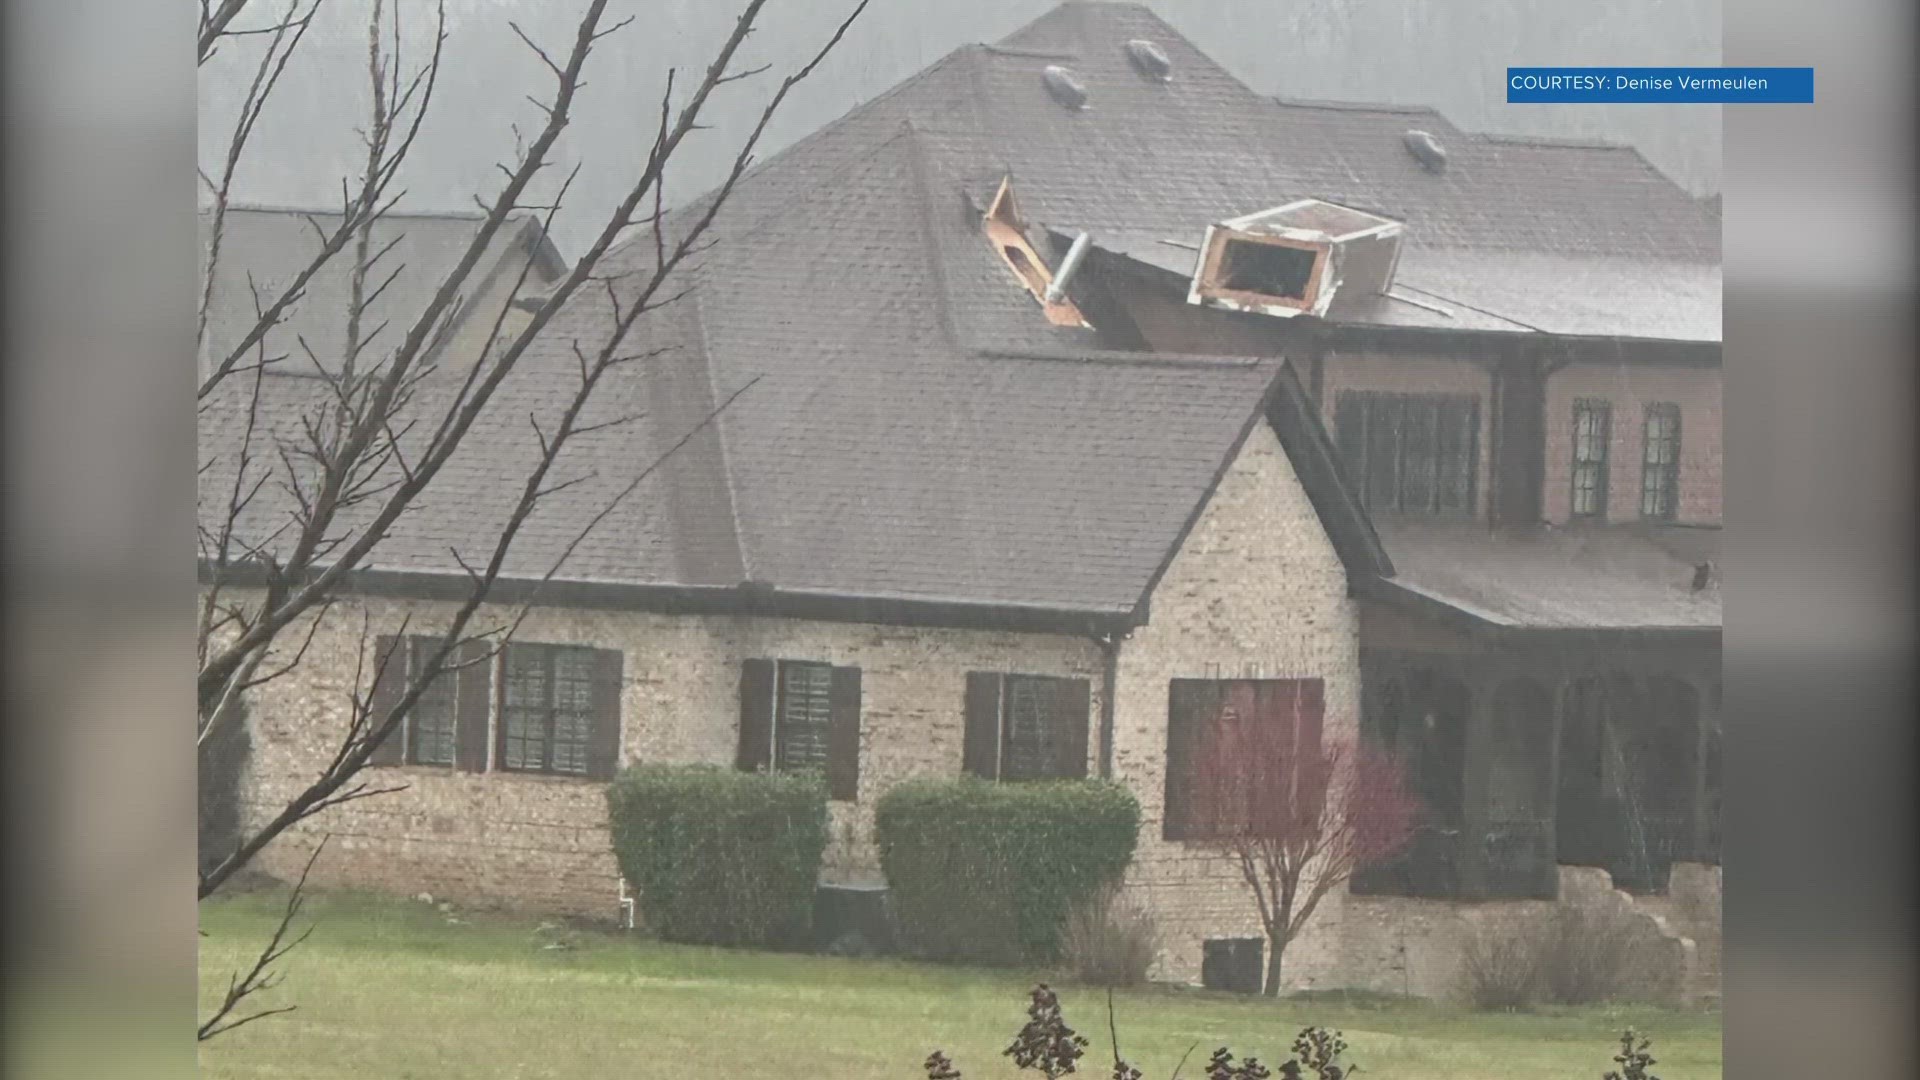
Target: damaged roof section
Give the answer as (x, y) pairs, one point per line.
(1293, 259)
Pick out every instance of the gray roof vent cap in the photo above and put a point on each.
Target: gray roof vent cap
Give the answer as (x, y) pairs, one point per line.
(1065, 87)
(1150, 60)
(1427, 151)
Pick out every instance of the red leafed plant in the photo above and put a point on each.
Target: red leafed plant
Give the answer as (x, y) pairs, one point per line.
(1299, 815)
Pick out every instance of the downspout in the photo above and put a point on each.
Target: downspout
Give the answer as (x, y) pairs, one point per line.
(1109, 645)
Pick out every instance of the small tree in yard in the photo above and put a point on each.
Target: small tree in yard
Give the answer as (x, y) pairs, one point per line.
(1298, 816)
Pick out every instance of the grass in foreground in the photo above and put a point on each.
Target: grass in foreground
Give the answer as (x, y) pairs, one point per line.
(391, 988)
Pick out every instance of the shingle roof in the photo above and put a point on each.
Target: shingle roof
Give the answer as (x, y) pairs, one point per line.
(267, 247)
(1148, 161)
(912, 429)
(1616, 577)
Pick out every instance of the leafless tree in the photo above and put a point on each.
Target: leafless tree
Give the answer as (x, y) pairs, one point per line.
(1298, 816)
(371, 447)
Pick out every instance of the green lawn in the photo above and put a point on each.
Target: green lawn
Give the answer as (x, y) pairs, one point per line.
(390, 989)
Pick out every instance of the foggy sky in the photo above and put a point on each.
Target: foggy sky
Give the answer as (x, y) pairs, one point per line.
(1451, 56)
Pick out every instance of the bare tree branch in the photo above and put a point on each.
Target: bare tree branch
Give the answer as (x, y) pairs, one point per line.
(261, 976)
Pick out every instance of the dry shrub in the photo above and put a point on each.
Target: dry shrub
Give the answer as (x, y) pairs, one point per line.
(1569, 958)
(1501, 969)
(1110, 940)
(1586, 957)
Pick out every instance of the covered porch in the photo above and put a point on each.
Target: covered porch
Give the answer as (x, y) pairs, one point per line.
(1550, 712)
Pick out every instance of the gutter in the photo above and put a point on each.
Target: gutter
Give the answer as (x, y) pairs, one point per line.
(751, 599)
(1109, 645)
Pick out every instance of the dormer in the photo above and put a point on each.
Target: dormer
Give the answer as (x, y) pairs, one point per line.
(1292, 259)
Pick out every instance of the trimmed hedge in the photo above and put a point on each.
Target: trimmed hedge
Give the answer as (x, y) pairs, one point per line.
(986, 872)
(718, 856)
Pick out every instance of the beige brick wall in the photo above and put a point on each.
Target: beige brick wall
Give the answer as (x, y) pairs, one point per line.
(541, 842)
(1257, 589)
(1631, 388)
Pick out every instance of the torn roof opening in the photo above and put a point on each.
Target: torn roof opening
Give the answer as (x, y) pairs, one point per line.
(1003, 228)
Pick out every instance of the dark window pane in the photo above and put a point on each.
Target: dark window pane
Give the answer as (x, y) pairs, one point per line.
(1383, 453)
(1419, 466)
(1040, 719)
(1458, 455)
(1660, 463)
(431, 720)
(1350, 432)
(1592, 432)
(805, 713)
(549, 710)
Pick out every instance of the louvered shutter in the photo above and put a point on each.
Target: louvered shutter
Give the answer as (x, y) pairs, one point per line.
(755, 752)
(843, 734)
(980, 745)
(1074, 702)
(472, 704)
(603, 746)
(389, 685)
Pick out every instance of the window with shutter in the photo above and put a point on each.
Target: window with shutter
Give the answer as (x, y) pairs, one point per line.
(1233, 750)
(555, 710)
(1026, 727)
(803, 717)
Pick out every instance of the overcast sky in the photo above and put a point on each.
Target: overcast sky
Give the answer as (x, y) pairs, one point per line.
(1448, 55)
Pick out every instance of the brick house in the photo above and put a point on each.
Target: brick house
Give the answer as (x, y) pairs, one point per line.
(986, 494)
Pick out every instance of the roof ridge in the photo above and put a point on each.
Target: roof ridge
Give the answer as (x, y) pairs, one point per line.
(276, 208)
(1566, 142)
(1335, 105)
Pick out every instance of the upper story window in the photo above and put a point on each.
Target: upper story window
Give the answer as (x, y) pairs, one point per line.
(1410, 452)
(1592, 436)
(1026, 727)
(801, 716)
(1660, 463)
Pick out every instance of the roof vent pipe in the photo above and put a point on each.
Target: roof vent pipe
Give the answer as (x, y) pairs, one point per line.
(1150, 60)
(1065, 87)
(1075, 255)
(1427, 151)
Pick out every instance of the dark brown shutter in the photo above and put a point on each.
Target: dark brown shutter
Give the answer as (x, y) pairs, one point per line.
(472, 704)
(389, 685)
(1192, 704)
(603, 749)
(1073, 702)
(980, 746)
(1311, 708)
(843, 734)
(756, 715)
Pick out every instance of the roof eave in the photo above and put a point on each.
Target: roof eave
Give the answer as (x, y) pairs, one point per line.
(727, 600)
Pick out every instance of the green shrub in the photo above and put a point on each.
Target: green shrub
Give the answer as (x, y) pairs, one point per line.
(718, 856)
(986, 872)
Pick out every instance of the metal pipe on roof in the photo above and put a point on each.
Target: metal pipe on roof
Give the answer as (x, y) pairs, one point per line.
(1075, 254)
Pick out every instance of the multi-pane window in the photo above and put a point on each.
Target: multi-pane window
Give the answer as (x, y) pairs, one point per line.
(1660, 463)
(803, 718)
(1409, 452)
(548, 709)
(1592, 434)
(1026, 727)
(430, 723)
